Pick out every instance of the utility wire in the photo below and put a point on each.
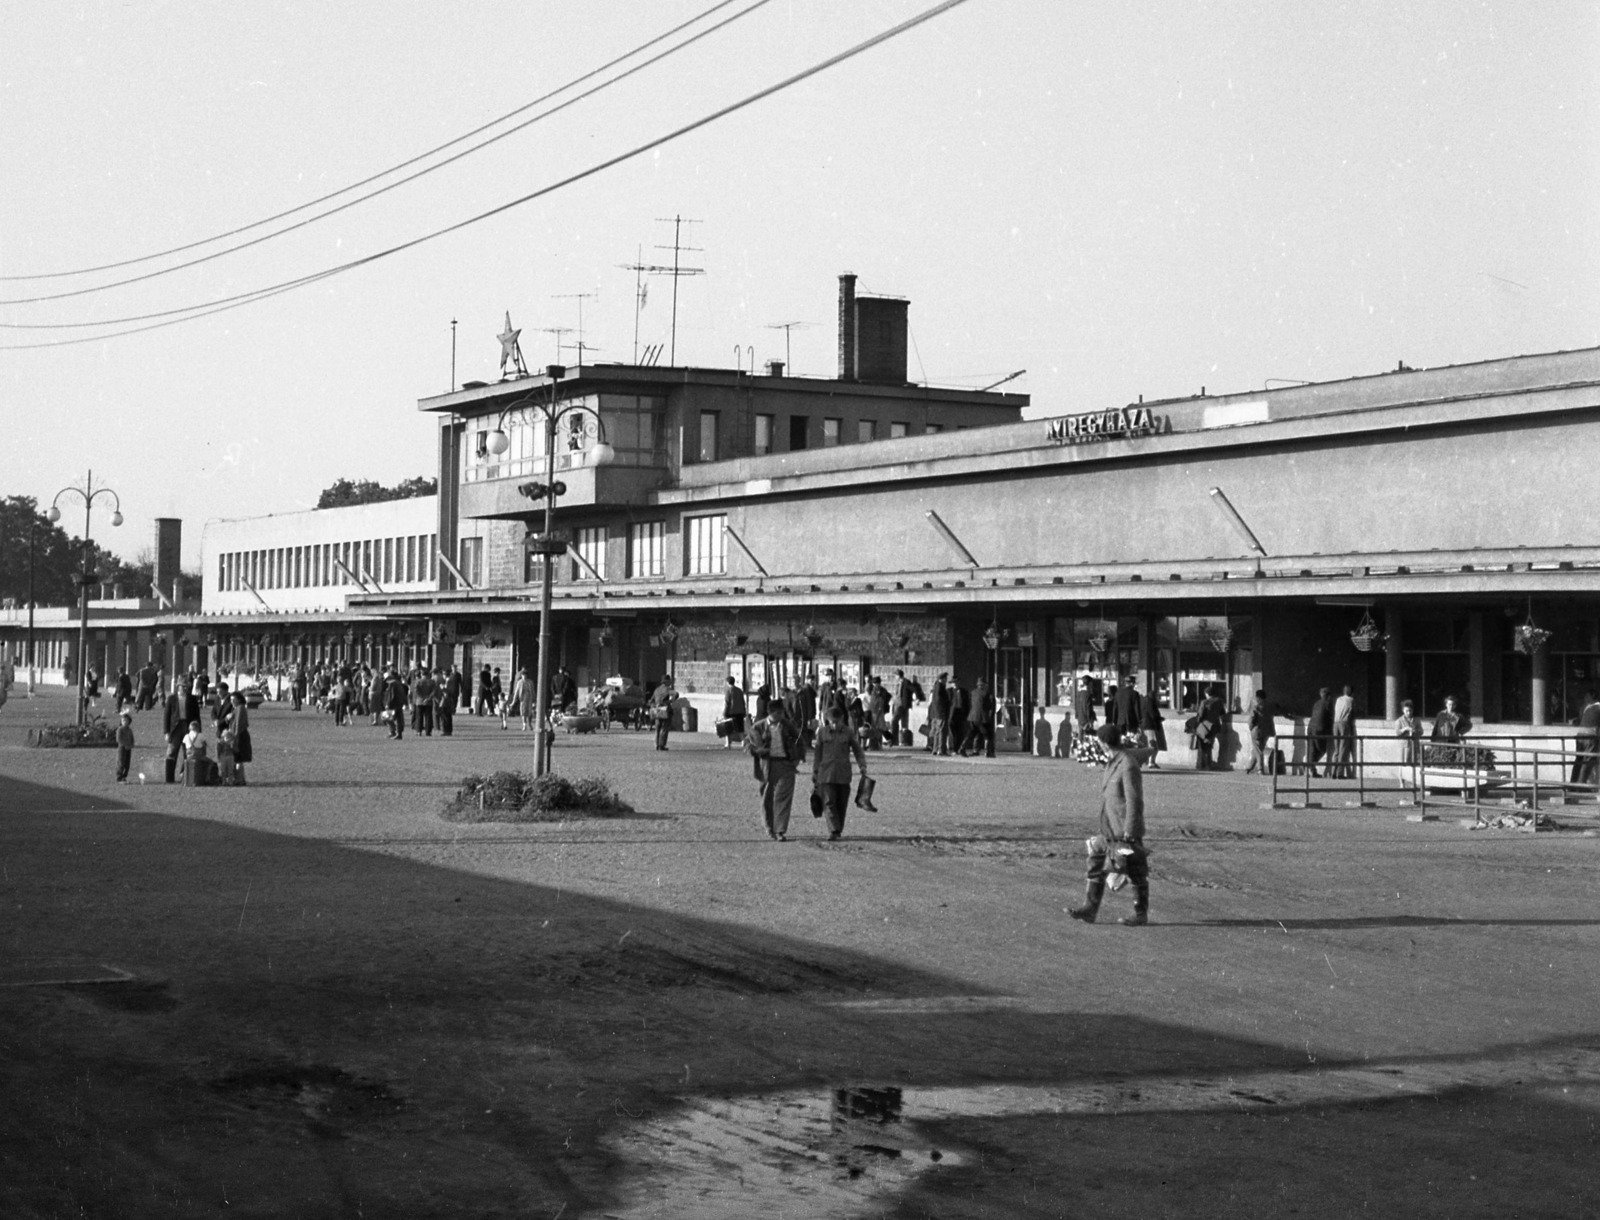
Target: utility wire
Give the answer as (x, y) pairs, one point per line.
(247, 298)
(382, 190)
(393, 169)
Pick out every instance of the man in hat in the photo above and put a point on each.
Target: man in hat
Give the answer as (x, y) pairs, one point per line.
(1119, 847)
(775, 743)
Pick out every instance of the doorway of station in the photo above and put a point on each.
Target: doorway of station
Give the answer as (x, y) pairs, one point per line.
(1013, 697)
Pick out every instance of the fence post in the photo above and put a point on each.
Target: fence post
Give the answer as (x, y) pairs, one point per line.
(1361, 770)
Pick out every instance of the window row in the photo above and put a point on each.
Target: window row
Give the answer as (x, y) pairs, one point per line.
(705, 551)
(833, 432)
(409, 559)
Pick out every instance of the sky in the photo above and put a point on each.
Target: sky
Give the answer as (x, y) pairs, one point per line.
(1123, 200)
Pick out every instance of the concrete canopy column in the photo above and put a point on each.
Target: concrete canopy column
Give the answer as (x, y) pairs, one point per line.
(1540, 665)
(1475, 665)
(1394, 624)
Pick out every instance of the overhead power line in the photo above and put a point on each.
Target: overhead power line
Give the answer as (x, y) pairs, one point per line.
(204, 309)
(343, 207)
(393, 169)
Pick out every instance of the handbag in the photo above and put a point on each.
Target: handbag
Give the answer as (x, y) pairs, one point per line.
(816, 802)
(864, 791)
(724, 726)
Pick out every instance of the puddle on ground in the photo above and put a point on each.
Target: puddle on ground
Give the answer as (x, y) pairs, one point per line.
(850, 1152)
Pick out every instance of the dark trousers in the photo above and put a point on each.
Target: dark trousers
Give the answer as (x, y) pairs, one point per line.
(124, 760)
(447, 720)
(397, 726)
(424, 721)
(1584, 769)
(980, 740)
(174, 748)
(835, 800)
(1316, 750)
(777, 795)
(663, 727)
(1137, 868)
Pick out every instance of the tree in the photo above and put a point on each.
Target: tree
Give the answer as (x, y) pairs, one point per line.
(57, 558)
(345, 493)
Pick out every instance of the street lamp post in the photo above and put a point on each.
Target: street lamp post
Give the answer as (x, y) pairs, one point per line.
(547, 548)
(88, 493)
(33, 531)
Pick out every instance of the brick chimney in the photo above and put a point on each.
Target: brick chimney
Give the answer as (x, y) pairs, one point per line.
(847, 327)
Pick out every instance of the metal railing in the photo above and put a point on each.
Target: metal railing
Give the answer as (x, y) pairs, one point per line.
(1523, 771)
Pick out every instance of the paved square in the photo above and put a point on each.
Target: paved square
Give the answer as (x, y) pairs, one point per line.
(342, 1005)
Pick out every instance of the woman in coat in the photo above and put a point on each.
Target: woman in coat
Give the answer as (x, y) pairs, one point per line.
(237, 735)
(830, 767)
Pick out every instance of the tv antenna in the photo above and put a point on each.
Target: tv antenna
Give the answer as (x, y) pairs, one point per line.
(677, 271)
(557, 331)
(579, 297)
(786, 327)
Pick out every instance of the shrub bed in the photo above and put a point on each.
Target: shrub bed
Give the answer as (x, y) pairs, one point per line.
(512, 796)
(95, 734)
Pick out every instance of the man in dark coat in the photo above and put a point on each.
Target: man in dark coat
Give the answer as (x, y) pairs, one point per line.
(1588, 743)
(175, 726)
(394, 702)
(1319, 730)
(803, 711)
(939, 717)
(661, 700)
(1083, 706)
(980, 723)
(1127, 708)
(733, 711)
(448, 705)
(1262, 730)
(960, 705)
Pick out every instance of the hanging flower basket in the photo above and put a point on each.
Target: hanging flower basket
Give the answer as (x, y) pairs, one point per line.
(812, 634)
(1366, 637)
(1222, 639)
(669, 632)
(1529, 639)
(1100, 641)
(991, 637)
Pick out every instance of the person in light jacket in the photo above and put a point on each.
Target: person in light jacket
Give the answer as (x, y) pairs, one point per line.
(1121, 832)
(830, 769)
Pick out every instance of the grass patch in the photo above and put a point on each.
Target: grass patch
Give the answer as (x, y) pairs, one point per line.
(512, 796)
(96, 734)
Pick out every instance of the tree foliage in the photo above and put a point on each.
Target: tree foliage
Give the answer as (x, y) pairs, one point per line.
(58, 559)
(364, 491)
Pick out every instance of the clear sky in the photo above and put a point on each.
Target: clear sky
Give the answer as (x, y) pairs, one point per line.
(1122, 199)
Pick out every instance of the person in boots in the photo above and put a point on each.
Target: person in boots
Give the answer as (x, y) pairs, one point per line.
(1121, 834)
(174, 727)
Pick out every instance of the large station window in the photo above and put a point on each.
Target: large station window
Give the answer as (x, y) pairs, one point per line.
(763, 443)
(707, 550)
(589, 544)
(647, 549)
(472, 561)
(1191, 658)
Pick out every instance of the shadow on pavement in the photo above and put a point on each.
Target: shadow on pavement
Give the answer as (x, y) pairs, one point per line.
(317, 1030)
(1386, 921)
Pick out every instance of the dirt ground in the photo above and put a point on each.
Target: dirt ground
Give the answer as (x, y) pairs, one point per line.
(311, 997)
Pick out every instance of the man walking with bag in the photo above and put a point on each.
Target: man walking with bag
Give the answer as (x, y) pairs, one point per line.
(1119, 847)
(775, 742)
(830, 771)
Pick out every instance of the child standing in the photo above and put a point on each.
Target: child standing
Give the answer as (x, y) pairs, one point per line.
(124, 746)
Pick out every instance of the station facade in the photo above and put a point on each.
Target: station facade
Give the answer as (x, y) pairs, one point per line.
(1411, 534)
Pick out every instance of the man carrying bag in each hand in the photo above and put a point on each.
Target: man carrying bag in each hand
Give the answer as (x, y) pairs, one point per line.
(1119, 847)
(830, 772)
